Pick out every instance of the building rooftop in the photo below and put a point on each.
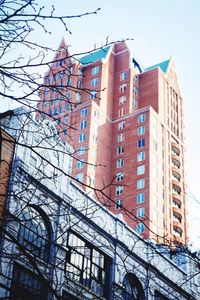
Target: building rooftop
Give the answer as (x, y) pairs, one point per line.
(94, 56)
(163, 66)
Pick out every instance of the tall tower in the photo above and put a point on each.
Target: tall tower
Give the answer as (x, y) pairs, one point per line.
(126, 126)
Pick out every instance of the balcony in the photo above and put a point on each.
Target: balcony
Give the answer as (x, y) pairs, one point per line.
(176, 174)
(176, 161)
(177, 211)
(176, 186)
(176, 149)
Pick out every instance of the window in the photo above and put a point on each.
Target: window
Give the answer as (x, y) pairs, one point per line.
(140, 212)
(120, 137)
(140, 198)
(95, 70)
(135, 91)
(67, 106)
(118, 204)
(78, 97)
(33, 233)
(83, 124)
(93, 95)
(81, 150)
(123, 76)
(140, 228)
(94, 82)
(58, 121)
(84, 112)
(133, 289)
(141, 118)
(33, 161)
(122, 99)
(141, 143)
(121, 112)
(120, 150)
(119, 176)
(141, 156)
(68, 95)
(141, 130)
(140, 170)
(79, 177)
(122, 88)
(120, 163)
(88, 265)
(121, 125)
(65, 131)
(140, 183)
(80, 164)
(119, 190)
(60, 109)
(27, 285)
(50, 112)
(82, 137)
(65, 119)
(46, 92)
(55, 111)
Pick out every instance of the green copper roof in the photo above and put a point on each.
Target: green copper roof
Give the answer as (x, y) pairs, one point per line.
(163, 66)
(94, 56)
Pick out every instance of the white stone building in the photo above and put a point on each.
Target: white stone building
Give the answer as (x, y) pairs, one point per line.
(59, 243)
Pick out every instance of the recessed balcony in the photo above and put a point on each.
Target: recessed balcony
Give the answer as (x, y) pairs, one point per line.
(176, 173)
(176, 210)
(176, 161)
(176, 149)
(176, 186)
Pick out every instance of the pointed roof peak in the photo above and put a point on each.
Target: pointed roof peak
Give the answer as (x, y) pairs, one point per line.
(164, 65)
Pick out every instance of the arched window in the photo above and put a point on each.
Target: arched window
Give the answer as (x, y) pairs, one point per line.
(132, 288)
(34, 234)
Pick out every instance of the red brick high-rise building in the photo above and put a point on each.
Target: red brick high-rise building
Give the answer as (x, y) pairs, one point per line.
(126, 126)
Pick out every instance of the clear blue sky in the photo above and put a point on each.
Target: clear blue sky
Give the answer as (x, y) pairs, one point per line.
(159, 28)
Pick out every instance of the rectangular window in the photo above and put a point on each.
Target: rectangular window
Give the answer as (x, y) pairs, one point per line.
(84, 112)
(33, 161)
(118, 204)
(123, 76)
(141, 118)
(83, 124)
(141, 156)
(81, 150)
(119, 190)
(67, 106)
(140, 228)
(140, 212)
(82, 137)
(121, 125)
(120, 150)
(121, 112)
(79, 177)
(120, 137)
(65, 119)
(140, 183)
(119, 176)
(141, 143)
(93, 94)
(120, 163)
(94, 82)
(60, 109)
(122, 99)
(95, 70)
(88, 265)
(65, 131)
(80, 164)
(140, 170)
(55, 111)
(68, 95)
(122, 88)
(141, 130)
(140, 198)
